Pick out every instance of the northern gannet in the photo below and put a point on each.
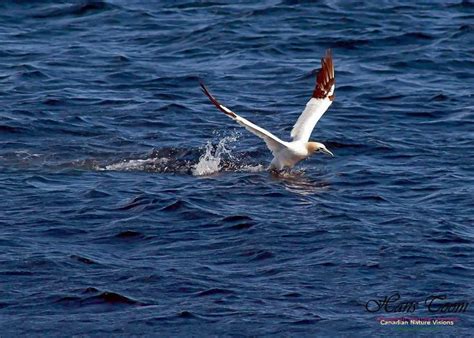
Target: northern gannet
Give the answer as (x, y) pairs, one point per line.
(287, 154)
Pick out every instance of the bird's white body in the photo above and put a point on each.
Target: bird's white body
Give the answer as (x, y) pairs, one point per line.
(287, 154)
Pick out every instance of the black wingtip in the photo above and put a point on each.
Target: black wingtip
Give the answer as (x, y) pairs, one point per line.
(214, 100)
(201, 83)
(205, 90)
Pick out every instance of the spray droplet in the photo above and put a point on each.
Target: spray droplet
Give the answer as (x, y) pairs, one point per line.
(210, 161)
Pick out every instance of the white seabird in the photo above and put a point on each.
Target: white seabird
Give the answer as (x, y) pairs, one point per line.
(287, 154)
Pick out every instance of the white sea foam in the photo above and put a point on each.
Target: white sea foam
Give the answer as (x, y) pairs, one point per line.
(137, 164)
(252, 168)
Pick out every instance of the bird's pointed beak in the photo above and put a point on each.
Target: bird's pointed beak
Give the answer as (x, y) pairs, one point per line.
(327, 152)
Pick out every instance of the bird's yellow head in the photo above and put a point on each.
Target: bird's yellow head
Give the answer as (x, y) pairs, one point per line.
(314, 147)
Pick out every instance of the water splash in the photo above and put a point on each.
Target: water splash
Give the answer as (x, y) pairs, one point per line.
(210, 159)
(210, 162)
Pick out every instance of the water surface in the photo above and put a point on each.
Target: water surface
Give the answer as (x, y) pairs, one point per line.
(130, 205)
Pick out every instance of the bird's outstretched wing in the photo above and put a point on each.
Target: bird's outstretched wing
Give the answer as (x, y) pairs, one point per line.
(323, 95)
(273, 142)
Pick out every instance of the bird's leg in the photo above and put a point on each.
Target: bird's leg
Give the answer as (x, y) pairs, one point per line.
(279, 172)
(272, 170)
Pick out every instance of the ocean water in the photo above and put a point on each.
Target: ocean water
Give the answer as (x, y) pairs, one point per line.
(131, 206)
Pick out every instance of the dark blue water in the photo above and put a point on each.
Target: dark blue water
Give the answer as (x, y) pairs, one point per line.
(130, 205)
